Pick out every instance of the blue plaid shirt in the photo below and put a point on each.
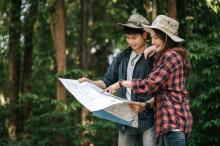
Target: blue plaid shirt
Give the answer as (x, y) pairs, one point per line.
(118, 71)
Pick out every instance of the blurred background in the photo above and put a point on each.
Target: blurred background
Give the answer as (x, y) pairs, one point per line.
(41, 40)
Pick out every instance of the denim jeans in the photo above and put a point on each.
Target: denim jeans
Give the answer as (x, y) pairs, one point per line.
(172, 138)
(146, 138)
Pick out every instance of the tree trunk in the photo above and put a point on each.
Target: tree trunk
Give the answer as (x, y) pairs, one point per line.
(155, 4)
(14, 63)
(181, 15)
(151, 9)
(172, 9)
(28, 45)
(85, 51)
(85, 33)
(148, 9)
(28, 48)
(60, 45)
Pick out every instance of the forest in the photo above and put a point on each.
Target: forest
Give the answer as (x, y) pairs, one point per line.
(42, 40)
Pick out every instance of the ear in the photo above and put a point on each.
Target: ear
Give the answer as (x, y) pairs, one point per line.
(145, 35)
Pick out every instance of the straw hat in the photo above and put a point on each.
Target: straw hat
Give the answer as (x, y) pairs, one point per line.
(167, 25)
(134, 21)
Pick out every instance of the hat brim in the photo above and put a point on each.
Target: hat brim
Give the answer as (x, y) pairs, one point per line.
(172, 36)
(121, 26)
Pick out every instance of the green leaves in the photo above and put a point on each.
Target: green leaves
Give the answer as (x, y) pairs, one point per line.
(204, 89)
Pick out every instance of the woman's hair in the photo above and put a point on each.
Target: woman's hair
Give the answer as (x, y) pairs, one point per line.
(169, 44)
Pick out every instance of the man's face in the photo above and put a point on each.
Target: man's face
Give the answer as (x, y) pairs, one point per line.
(136, 41)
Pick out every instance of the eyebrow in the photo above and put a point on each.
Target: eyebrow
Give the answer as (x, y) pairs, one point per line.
(154, 35)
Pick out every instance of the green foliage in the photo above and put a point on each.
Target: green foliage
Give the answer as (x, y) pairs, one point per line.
(203, 23)
(54, 123)
(105, 133)
(204, 89)
(3, 113)
(3, 45)
(75, 73)
(204, 92)
(51, 120)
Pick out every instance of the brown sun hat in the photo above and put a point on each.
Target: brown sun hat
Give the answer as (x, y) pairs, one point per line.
(134, 21)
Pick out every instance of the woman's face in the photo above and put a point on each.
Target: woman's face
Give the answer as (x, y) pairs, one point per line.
(157, 42)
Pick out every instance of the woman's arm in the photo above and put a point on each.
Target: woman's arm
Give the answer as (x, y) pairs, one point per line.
(157, 78)
(114, 87)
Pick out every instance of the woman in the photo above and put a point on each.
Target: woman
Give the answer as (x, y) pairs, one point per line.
(166, 82)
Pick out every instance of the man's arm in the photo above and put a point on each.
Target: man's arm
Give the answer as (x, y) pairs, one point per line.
(98, 83)
(110, 77)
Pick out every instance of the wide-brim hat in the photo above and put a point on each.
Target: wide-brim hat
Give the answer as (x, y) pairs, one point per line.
(167, 25)
(135, 21)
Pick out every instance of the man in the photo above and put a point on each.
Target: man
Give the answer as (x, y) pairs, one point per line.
(131, 64)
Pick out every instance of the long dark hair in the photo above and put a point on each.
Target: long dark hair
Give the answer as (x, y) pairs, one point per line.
(172, 44)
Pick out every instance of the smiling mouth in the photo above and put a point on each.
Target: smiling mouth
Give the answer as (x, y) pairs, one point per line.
(157, 46)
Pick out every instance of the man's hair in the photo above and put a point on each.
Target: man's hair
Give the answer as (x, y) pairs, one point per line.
(130, 31)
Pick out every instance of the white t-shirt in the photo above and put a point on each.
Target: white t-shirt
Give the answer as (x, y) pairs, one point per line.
(130, 68)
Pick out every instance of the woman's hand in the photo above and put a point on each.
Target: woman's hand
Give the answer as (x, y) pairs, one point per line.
(141, 106)
(137, 106)
(150, 51)
(113, 88)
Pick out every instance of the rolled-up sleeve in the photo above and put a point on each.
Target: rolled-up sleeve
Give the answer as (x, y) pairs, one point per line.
(158, 76)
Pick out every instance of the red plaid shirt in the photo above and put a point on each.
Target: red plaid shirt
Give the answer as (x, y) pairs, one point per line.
(167, 82)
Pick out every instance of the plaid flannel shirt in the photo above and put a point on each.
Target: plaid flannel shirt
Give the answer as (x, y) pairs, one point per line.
(167, 80)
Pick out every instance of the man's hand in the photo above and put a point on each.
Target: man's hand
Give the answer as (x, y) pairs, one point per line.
(84, 79)
(98, 83)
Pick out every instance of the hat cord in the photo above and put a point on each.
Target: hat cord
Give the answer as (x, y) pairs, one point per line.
(164, 42)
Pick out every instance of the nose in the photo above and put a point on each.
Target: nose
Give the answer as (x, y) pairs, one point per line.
(129, 41)
(152, 41)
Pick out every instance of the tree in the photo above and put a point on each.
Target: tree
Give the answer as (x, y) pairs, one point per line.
(58, 34)
(172, 9)
(30, 19)
(151, 9)
(181, 16)
(85, 33)
(14, 63)
(85, 49)
(28, 44)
